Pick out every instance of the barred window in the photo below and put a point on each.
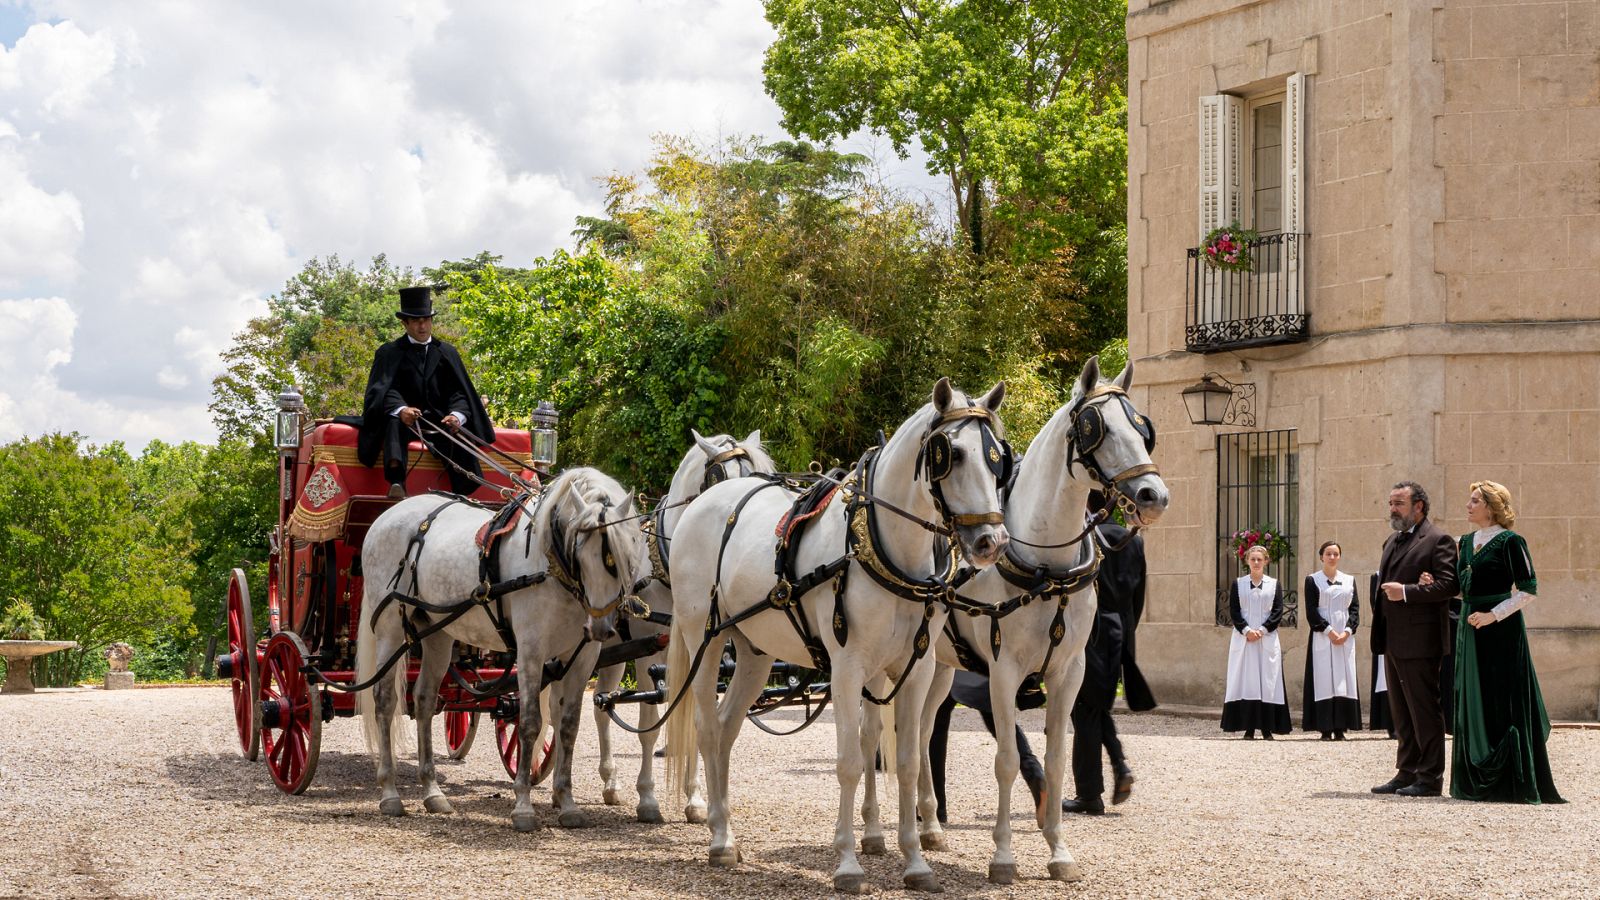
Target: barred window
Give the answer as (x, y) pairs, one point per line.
(1258, 485)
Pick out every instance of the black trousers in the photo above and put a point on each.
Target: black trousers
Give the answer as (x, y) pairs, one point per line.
(1093, 728)
(1032, 772)
(397, 436)
(1418, 718)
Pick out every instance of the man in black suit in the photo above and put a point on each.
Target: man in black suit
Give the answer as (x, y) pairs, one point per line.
(1109, 658)
(419, 377)
(1416, 614)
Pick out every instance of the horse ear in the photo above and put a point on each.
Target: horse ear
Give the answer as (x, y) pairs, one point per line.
(706, 447)
(995, 397)
(1090, 376)
(943, 396)
(753, 438)
(1126, 378)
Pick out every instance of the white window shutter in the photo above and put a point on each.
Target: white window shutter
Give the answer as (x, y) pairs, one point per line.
(1221, 141)
(1294, 168)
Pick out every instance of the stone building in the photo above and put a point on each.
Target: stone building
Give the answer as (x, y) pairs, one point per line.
(1424, 302)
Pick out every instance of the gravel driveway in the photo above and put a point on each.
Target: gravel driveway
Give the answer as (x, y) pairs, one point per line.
(141, 794)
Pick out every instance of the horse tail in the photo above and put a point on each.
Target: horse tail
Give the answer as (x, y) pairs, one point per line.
(683, 745)
(367, 662)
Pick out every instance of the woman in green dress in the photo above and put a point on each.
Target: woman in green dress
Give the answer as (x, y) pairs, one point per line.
(1501, 725)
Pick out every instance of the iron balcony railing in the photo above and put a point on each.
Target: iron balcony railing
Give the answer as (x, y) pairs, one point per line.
(1266, 305)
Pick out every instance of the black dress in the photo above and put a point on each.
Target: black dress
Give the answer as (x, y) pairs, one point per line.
(1330, 668)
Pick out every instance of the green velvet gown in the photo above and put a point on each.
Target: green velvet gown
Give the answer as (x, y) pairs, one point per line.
(1501, 725)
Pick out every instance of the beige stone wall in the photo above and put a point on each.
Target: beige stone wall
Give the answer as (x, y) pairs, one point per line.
(1453, 202)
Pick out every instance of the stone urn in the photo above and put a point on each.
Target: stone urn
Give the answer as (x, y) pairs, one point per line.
(19, 660)
(117, 657)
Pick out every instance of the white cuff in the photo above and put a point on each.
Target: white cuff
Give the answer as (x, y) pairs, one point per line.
(1505, 608)
(396, 411)
(460, 417)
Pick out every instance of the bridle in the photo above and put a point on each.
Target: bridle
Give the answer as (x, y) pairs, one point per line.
(714, 473)
(938, 456)
(565, 565)
(1089, 432)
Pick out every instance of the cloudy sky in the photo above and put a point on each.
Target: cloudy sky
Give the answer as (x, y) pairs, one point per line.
(165, 166)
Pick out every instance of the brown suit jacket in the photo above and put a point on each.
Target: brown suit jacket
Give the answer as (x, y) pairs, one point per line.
(1417, 628)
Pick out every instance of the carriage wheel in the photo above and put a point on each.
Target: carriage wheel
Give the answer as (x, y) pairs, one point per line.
(460, 727)
(245, 665)
(505, 734)
(291, 714)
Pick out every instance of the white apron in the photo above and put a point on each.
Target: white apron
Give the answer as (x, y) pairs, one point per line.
(1255, 670)
(1333, 669)
(1381, 685)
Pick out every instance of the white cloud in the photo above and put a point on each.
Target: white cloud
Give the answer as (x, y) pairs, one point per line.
(164, 167)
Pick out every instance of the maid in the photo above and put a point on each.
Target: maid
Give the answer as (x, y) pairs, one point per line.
(1255, 694)
(1331, 705)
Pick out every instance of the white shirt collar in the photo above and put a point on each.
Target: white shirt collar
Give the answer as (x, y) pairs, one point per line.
(1482, 535)
(420, 343)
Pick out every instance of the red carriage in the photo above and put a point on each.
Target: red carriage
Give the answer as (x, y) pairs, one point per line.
(285, 684)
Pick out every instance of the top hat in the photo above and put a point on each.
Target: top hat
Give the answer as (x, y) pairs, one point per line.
(415, 302)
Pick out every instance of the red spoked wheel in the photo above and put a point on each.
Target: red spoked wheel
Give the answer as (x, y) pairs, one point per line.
(505, 735)
(460, 727)
(243, 665)
(291, 714)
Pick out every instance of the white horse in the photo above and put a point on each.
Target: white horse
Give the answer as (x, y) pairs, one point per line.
(582, 550)
(709, 461)
(1097, 440)
(869, 534)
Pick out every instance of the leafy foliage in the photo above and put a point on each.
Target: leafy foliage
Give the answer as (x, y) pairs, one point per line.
(1023, 106)
(80, 551)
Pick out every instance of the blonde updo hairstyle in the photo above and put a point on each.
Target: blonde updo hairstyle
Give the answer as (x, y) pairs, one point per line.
(1498, 497)
(1253, 549)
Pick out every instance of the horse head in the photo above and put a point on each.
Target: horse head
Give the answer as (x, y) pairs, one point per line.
(967, 460)
(1111, 442)
(717, 459)
(596, 544)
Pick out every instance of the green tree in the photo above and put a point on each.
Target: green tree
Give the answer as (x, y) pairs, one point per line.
(77, 548)
(232, 519)
(319, 334)
(1021, 105)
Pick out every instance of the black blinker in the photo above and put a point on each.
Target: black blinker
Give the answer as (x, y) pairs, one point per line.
(938, 456)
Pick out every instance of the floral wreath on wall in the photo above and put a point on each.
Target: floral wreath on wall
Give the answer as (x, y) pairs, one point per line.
(1268, 536)
(1228, 248)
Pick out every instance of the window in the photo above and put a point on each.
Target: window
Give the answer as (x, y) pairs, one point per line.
(1266, 166)
(1251, 171)
(1258, 485)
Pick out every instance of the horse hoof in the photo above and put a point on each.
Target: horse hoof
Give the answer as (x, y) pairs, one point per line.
(571, 819)
(925, 882)
(611, 797)
(437, 804)
(392, 807)
(726, 857)
(873, 846)
(849, 884)
(694, 815)
(525, 821)
(1066, 871)
(1002, 873)
(934, 841)
(651, 815)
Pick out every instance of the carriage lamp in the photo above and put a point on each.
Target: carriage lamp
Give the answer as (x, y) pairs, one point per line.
(542, 435)
(1210, 403)
(291, 411)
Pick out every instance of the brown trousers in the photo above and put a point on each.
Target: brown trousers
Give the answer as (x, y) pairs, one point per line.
(1418, 718)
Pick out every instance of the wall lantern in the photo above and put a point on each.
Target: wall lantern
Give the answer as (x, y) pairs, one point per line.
(1210, 403)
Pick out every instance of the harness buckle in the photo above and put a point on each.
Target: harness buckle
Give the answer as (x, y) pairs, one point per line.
(781, 595)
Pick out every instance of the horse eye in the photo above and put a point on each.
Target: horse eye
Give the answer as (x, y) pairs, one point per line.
(957, 456)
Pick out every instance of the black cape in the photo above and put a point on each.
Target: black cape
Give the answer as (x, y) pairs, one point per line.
(380, 399)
